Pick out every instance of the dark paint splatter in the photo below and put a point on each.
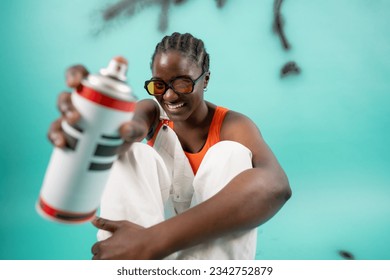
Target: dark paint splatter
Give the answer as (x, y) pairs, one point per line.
(289, 68)
(346, 255)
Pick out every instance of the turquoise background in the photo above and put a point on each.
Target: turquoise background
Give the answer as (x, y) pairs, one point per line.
(328, 126)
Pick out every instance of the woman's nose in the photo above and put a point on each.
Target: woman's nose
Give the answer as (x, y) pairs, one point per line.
(170, 95)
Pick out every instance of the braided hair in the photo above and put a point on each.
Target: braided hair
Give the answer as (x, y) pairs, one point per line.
(188, 45)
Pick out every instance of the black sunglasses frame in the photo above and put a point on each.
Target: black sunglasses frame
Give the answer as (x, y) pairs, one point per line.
(169, 84)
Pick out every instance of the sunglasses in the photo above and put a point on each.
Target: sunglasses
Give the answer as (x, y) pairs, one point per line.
(180, 85)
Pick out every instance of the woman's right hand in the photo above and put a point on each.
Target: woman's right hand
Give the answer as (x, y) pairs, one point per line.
(74, 75)
(132, 131)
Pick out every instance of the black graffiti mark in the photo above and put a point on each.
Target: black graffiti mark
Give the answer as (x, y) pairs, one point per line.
(163, 23)
(278, 24)
(128, 8)
(290, 67)
(221, 3)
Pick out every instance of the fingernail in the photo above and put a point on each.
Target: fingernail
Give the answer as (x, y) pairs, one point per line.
(55, 138)
(70, 79)
(69, 114)
(129, 132)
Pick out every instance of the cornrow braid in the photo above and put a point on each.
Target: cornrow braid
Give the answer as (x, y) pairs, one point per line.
(188, 45)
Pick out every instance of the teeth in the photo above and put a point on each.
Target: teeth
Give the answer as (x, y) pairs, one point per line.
(175, 106)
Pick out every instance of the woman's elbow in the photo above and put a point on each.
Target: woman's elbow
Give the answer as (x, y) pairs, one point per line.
(287, 191)
(284, 190)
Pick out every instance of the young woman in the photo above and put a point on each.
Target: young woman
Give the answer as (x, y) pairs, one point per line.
(203, 183)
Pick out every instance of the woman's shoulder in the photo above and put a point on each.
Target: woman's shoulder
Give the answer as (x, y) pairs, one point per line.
(234, 118)
(236, 123)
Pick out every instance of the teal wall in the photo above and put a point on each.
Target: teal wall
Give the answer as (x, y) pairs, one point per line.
(328, 126)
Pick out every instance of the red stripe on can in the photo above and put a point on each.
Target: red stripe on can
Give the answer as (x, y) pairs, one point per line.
(70, 217)
(105, 100)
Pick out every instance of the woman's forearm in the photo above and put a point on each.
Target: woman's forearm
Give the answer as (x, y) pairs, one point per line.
(248, 200)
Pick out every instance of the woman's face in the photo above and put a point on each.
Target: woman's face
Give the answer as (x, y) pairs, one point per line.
(170, 65)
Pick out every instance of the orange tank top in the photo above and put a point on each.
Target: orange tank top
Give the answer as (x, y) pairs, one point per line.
(213, 137)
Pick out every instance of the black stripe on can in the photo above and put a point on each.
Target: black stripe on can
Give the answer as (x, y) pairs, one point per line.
(71, 142)
(116, 137)
(100, 166)
(105, 150)
(74, 218)
(79, 129)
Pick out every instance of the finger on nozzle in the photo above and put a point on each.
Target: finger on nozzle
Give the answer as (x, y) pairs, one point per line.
(74, 75)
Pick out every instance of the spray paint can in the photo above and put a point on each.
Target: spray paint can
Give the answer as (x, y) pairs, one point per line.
(76, 175)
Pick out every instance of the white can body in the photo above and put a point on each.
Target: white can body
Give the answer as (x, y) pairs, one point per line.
(76, 175)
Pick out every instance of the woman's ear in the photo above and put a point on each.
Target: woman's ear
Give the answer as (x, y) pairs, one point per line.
(206, 79)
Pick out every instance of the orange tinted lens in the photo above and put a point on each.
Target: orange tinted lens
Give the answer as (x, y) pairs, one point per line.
(182, 85)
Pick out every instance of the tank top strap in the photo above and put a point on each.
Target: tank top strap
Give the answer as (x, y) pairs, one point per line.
(216, 125)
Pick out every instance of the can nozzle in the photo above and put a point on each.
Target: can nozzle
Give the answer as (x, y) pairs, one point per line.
(117, 68)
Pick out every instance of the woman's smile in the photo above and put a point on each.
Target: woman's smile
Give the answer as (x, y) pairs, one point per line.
(174, 106)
